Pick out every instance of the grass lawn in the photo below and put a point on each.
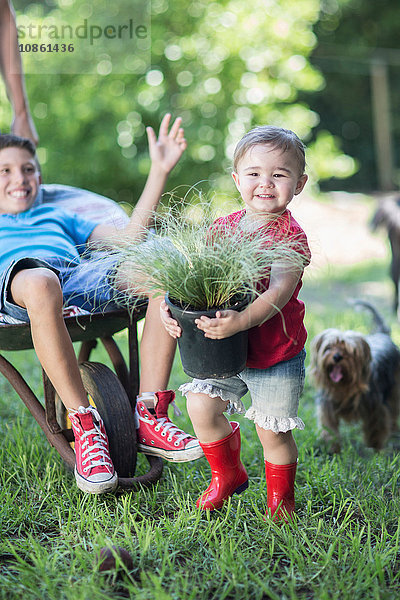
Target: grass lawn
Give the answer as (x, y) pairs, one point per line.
(344, 542)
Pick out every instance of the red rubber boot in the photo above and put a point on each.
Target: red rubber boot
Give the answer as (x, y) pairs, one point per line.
(280, 490)
(228, 475)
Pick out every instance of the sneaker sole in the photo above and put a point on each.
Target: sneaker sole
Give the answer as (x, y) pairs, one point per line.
(96, 488)
(173, 455)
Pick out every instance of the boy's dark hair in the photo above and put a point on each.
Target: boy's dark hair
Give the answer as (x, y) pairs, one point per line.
(8, 140)
(279, 138)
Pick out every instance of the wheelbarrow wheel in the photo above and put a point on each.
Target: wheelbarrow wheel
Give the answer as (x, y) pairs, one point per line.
(108, 396)
(110, 399)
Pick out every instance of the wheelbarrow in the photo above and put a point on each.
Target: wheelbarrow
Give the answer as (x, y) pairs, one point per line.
(113, 393)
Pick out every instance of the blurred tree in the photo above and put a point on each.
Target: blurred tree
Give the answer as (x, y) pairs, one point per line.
(351, 35)
(223, 66)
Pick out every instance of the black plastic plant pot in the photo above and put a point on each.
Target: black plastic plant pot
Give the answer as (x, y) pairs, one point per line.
(203, 357)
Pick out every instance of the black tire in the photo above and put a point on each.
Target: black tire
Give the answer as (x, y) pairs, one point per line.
(111, 401)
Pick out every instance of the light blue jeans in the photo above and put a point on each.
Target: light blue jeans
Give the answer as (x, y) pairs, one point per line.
(275, 393)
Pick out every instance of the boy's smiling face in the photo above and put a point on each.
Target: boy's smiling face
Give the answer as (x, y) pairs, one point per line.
(267, 179)
(19, 180)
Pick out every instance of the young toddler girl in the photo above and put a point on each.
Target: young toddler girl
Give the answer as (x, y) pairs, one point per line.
(269, 165)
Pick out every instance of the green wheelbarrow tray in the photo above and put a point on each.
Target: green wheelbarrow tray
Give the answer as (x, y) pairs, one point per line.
(113, 394)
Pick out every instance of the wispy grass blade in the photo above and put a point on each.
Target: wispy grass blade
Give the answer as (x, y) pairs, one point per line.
(200, 264)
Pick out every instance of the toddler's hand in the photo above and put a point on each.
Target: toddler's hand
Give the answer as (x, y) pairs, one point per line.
(223, 325)
(169, 323)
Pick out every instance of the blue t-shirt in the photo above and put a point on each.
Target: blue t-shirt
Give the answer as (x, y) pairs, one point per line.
(42, 232)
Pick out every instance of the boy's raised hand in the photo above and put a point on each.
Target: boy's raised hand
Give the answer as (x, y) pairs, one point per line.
(166, 150)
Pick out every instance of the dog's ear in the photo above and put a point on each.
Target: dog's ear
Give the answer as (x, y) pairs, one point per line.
(365, 358)
(316, 343)
(361, 349)
(315, 347)
(362, 358)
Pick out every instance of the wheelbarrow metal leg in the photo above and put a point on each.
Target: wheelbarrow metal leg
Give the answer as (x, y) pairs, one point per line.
(133, 363)
(85, 350)
(50, 404)
(36, 409)
(146, 480)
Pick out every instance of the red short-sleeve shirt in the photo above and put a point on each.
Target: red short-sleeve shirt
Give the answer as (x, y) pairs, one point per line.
(284, 335)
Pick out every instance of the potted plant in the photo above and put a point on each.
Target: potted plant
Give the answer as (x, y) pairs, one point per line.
(202, 267)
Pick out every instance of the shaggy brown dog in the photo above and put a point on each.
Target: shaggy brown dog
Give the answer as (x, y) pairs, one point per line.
(358, 379)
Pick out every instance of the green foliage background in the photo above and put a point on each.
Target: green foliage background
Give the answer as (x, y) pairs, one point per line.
(220, 65)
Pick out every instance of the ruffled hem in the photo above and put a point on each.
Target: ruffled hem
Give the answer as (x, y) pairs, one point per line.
(275, 424)
(197, 386)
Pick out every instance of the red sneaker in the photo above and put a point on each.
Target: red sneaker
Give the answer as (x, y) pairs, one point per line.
(94, 471)
(159, 436)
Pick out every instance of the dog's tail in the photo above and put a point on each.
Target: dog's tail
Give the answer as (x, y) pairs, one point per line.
(380, 325)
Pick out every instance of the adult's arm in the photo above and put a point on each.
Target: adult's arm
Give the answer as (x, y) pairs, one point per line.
(11, 70)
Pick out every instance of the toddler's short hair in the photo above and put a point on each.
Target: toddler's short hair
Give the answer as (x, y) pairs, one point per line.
(279, 138)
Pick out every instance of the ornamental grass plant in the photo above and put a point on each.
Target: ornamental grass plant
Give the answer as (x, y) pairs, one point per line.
(199, 263)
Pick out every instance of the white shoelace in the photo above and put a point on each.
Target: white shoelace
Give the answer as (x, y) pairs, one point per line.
(166, 425)
(98, 449)
(95, 453)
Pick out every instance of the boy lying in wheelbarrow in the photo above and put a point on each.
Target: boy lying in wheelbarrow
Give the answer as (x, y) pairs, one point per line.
(39, 256)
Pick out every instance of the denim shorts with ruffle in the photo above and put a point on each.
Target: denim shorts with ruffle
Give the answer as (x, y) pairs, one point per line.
(275, 393)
